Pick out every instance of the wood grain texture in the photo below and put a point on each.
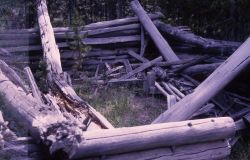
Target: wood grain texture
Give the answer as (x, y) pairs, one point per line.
(201, 151)
(121, 140)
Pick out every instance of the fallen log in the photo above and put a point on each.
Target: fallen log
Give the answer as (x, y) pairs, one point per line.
(210, 87)
(122, 140)
(205, 151)
(164, 48)
(201, 69)
(218, 46)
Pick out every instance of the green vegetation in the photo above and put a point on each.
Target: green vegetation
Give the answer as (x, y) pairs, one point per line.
(123, 106)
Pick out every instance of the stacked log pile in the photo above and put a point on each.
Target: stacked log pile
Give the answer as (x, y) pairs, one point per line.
(69, 128)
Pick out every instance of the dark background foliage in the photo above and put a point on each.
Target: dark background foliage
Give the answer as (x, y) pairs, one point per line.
(222, 19)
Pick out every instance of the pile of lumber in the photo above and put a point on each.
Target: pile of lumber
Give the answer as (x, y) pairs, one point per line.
(201, 119)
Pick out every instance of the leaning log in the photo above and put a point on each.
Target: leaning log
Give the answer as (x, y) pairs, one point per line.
(122, 140)
(149, 26)
(50, 49)
(59, 84)
(210, 87)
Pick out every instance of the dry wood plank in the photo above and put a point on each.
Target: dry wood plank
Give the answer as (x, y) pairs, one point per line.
(124, 80)
(12, 75)
(111, 40)
(210, 87)
(171, 99)
(149, 26)
(142, 67)
(161, 89)
(191, 63)
(35, 91)
(122, 140)
(168, 89)
(176, 91)
(127, 65)
(137, 56)
(142, 48)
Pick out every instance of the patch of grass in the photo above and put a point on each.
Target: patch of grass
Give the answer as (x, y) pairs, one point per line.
(123, 106)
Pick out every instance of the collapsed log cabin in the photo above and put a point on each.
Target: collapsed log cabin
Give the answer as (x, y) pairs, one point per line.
(69, 128)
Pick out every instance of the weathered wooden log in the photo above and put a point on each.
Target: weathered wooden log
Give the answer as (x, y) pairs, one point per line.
(122, 140)
(218, 46)
(92, 26)
(137, 56)
(210, 87)
(149, 26)
(87, 41)
(111, 40)
(119, 22)
(13, 40)
(142, 68)
(168, 89)
(16, 43)
(50, 49)
(34, 88)
(13, 147)
(58, 83)
(191, 63)
(205, 151)
(201, 69)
